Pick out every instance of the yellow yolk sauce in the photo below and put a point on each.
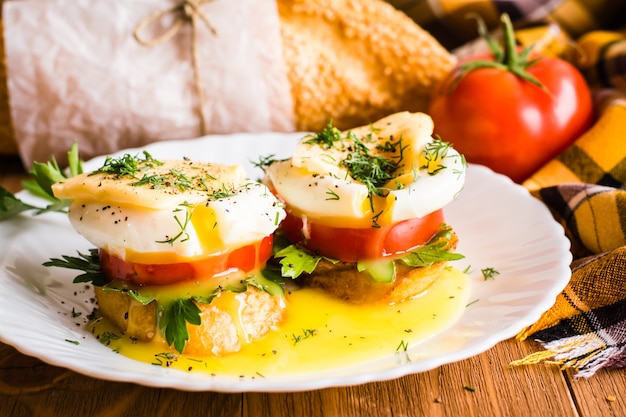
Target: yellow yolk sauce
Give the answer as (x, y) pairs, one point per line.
(318, 333)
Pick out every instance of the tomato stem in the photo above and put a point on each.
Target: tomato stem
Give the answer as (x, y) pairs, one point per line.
(505, 58)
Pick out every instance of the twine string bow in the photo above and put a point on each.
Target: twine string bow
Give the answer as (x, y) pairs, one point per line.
(187, 12)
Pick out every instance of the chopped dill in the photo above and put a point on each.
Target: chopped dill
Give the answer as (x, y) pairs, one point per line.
(332, 195)
(182, 235)
(127, 165)
(224, 192)
(489, 273)
(403, 346)
(264, 162)
(327, 137)
(306, 333)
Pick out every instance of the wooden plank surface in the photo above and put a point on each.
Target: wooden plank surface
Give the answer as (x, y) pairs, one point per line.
(484, 385)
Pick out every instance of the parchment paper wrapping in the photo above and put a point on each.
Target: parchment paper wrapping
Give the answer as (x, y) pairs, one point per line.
(76, 73)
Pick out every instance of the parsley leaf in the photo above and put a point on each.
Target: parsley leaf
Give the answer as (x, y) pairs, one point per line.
(295, 261)
(11, 205)
(430, 254)
(88, 263)
(435, 250)
(44, 175)
(174, 319)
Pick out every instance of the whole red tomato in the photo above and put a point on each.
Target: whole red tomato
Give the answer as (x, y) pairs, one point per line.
(511, 114)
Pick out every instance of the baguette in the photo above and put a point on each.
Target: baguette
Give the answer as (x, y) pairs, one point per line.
(356, 61)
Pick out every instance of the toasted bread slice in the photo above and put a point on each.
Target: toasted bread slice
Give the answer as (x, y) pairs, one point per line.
(344, 281)
(228, 322)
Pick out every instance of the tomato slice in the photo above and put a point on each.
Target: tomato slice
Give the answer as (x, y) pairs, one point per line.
(246, 259)
(353, 244)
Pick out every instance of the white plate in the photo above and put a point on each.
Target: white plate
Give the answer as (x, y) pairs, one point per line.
(498, 223)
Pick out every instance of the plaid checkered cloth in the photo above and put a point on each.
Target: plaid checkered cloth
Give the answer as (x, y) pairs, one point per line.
(585, 189)
(447, 20)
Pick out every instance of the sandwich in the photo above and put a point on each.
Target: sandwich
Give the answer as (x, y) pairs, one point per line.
(197, 257)
(180, 248)
(364, 209)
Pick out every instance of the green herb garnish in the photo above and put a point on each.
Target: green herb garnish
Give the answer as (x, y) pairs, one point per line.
(374, 171)
(332, 195)
(182, 235)
(306, 333)
(403, 346)
(294, 260)
(106, 337)
(436, 250)
(264, 162)
(88, 263)
(326, 138)
(174, 319)
(489, 273)
(175, 314)
(224, 192)
(127, 165)
(44, 175)
(165, 358)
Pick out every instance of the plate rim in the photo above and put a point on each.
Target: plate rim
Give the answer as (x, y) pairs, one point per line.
(284, 384)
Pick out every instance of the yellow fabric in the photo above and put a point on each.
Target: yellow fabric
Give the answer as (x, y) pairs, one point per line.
(584, 330)
(593, 285)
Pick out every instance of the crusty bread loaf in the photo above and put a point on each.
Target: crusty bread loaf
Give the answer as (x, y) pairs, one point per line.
(230, 321)
(356, 61)
(342, 280)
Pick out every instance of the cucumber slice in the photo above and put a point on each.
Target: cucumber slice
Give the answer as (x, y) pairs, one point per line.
(379, 270)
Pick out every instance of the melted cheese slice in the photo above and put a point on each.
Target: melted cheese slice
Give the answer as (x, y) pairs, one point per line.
(167, 213)
(155, 186)
(414, 129)
(316, 184)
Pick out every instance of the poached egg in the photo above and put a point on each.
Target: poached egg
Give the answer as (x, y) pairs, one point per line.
(321, 181)
(169, 211)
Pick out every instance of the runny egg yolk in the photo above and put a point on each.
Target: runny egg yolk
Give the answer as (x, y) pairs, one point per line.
(321, 334)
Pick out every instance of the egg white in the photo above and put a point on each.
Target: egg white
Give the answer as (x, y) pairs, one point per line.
(314, 185)
(205, 228)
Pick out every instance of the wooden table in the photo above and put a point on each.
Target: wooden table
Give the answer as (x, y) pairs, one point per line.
(484, 385)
